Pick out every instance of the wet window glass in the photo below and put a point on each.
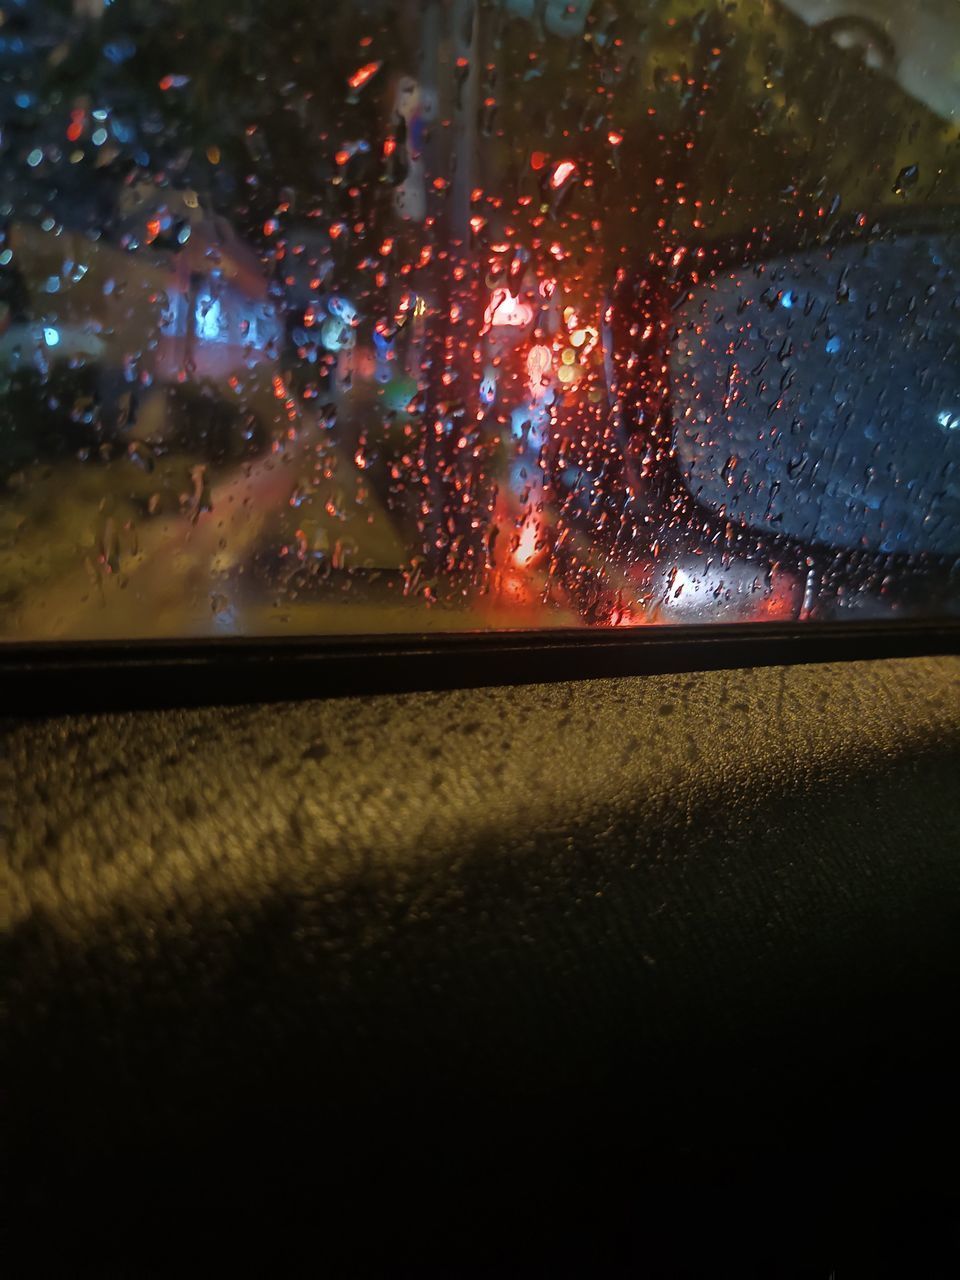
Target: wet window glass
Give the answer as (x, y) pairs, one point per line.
(408, 315)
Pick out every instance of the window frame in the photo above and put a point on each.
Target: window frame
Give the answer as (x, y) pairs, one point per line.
(52, 678)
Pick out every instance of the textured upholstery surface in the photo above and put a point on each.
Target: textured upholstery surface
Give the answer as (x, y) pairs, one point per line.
(704, 928)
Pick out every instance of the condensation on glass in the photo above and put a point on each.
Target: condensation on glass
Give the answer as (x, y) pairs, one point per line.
(406, 315)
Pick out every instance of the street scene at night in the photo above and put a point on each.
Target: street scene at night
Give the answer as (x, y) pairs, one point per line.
(480, 608)
(434, 315)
